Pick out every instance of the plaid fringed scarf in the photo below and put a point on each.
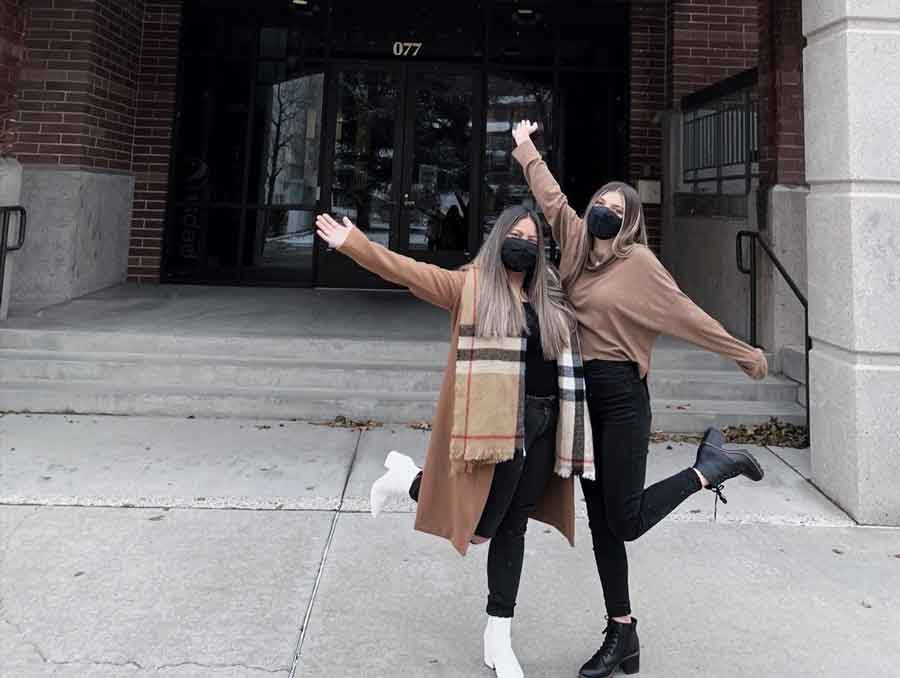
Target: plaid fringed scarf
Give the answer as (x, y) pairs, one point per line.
(574, 438)
(489, 398)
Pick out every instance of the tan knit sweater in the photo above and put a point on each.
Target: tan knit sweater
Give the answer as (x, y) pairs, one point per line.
(625, 304)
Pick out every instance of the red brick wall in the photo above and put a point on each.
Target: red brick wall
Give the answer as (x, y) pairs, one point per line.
(710, 40)
(648, 78)
(77, 84)
(12, 29)
(153, 136)
(781, 93)
(114, 67)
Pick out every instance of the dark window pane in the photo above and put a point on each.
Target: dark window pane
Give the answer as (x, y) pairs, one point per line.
(226, 34)
(593, 108)
(447, 31)
(297, 31)
(522, 33)
(367, 112)
(203, 242)
(273, 43)
(594, 35)
(511, 98)
(212, 131)
(441, 161)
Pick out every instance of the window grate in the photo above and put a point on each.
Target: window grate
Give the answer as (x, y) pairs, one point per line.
(720, 139)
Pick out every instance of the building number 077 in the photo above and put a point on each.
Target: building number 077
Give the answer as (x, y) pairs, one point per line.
(407, 48)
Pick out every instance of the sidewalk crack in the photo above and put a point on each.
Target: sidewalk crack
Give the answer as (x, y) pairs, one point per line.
(334, 519)
(250, 667)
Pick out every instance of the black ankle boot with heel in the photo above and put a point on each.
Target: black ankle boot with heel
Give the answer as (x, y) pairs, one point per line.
(717, 464)
(620, 649)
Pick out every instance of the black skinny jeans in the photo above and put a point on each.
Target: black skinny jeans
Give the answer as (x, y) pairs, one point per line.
(619, 508)
(515, 490)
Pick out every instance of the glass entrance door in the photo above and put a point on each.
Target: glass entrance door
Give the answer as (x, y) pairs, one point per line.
(437, 219)
(403, 144)
(365, 166)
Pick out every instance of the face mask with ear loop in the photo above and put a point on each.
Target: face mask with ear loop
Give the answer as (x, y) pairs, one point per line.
(519, 255)
(603, 223)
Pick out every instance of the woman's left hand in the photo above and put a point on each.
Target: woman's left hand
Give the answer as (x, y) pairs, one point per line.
(523, 130)
(332, 232)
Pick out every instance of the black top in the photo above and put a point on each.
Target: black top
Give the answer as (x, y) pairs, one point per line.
(541, 377)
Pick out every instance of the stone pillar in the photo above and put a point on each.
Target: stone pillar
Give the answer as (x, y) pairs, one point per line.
(852, 95)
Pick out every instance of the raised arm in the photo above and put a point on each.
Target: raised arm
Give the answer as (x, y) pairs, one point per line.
(564, 221)
(431, 283)
(670, 311)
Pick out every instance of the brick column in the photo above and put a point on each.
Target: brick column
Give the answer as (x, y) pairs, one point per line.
(154, 122)
(78, 83)
(709, 41)
(12, 49)
(648, 76)
(781, 93)
(782, 190)
(75, 128)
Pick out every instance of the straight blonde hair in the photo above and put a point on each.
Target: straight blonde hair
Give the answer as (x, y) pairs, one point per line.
(500, 312)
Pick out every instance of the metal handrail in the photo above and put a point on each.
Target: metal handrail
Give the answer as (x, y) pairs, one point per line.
(751, 270)
(6, 213)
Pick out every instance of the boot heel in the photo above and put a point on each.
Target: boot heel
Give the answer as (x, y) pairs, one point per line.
(631, 665)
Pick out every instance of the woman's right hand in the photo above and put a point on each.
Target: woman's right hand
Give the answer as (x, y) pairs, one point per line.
(757, 369)
(332, 232)
(523, 130)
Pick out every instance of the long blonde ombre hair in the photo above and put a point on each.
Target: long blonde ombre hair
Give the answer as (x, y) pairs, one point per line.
(632, 233)
(500, 312)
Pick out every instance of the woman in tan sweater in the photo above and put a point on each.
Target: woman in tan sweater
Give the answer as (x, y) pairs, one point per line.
(509, 432)
(624, 299)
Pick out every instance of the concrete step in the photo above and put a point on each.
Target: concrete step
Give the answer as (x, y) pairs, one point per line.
(322, 403)
(265, 376)
(237, 347)
(667, 355)
(208, 371)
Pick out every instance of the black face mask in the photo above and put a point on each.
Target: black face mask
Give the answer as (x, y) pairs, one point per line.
(519, 255)
(603, 223)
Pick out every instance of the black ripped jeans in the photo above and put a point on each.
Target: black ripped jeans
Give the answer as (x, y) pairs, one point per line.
(515, 490)
(619, 508)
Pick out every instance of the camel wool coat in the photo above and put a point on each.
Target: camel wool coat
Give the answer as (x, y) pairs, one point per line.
(450, 506)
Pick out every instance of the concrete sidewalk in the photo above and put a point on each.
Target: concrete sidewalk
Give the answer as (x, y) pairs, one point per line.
(188, 548)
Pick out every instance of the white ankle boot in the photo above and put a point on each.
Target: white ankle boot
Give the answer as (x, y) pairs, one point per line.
(402, 470)
(498, 652)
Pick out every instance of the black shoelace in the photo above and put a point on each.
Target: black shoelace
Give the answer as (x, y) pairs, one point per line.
(607, 650)
(717, 489)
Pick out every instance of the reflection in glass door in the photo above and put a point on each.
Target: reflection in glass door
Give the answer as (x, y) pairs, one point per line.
(437, 215)
(512, 97)
(363, 171)
(364, 138)
(284, 177)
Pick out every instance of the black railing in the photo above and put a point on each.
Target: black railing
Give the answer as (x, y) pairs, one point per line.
(753, 271)
(5, 218)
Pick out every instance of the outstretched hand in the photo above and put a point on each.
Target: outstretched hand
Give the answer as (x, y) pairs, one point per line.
(332, 232)
(523, 130)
